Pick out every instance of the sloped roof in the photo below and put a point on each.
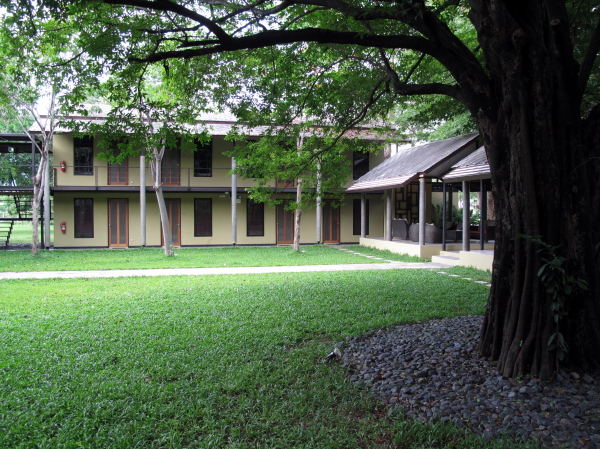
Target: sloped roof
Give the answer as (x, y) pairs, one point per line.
(431, 159)
(216, 123)
(474, 166)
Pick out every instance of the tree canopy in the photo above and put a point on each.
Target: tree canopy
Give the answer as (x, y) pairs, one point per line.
(524, 73)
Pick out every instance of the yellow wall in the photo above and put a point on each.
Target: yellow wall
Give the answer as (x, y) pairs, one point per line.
(221, 226)
(221, 203)
(63, 151)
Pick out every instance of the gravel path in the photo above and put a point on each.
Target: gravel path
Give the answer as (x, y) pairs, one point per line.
(431, 371)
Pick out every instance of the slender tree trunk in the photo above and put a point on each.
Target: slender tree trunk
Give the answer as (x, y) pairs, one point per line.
(544, 174)
(297, 215)
(162, 207)
(38, 193)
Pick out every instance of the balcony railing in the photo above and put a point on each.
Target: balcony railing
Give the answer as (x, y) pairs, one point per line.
(102, 176)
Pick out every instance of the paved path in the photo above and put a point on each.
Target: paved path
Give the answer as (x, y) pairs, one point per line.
(388, 265)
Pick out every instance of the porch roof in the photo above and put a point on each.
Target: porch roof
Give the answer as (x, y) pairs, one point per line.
(431, 160)
(474, 166)
(20, 143)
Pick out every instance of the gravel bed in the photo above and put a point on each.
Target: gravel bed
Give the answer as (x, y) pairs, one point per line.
(431, 371)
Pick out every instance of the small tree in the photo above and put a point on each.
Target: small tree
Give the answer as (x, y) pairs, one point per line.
(23, 96)
(144, 117)
(315, 158)
(38, 70)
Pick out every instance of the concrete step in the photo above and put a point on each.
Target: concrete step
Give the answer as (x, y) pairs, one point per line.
(451, 259)
(450, 253)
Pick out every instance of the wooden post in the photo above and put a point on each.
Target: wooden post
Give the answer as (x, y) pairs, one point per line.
(466, 245)
(388, 220)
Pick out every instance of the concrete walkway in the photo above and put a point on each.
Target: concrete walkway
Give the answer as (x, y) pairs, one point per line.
(388, 265)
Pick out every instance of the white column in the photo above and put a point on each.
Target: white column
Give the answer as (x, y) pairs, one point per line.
(388, 218)
(233, 203)
(319, 206)
(422, 209)
(143, 198)
(47, 203)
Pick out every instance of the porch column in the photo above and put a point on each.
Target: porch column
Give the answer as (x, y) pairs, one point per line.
(450, 201)
(143, 197)
(388, 217)
(422, 209)
(466, 240)
(483, 215)
(47, 204)
(444, 216)
(319, 206)
(233, 203)
(363, 214)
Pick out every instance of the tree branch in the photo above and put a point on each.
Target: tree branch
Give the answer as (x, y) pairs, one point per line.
(167, 6)
(588, 61)
(275, 37)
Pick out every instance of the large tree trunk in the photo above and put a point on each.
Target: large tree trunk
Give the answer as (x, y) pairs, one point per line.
(545, 179)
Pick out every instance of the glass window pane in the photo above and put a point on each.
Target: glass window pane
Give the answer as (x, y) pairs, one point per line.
(123, 222)
(203, 159)
(202, 217)
(255, 218)
(83, 156)
(84, 218)
(360, 164)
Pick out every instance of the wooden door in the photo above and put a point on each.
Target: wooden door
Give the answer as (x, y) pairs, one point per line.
(174, 213)
(331, 222)
(170, 167)
(117, 174)
(285, 225)
(118, 222)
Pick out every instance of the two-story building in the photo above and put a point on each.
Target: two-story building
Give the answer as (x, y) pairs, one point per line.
(98, 204)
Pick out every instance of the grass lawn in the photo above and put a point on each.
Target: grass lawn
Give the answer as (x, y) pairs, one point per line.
(233, 256)
(211, 361)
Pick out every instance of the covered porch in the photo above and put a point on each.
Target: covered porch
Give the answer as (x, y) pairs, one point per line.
(456, 164)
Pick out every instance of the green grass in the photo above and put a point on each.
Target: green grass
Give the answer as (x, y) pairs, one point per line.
(211, 361)
(469, 273)
(235, 256)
